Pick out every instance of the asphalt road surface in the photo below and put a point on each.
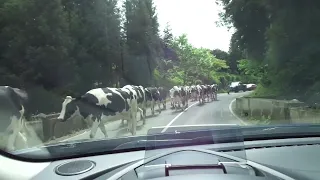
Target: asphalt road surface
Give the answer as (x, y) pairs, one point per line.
(215, 112)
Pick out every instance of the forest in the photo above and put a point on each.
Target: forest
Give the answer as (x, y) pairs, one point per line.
(280, 45)
(53, 48)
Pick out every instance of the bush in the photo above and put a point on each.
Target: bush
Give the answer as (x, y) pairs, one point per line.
(262, 91)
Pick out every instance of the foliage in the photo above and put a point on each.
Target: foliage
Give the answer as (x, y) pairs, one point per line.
(54, 48)
(280, 34)
(252, 71)
(194, 65)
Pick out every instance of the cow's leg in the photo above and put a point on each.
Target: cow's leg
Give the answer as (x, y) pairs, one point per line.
(128, 116)
(13, 136)
(23, 127)
(144, 108)
(16, 125)
(133, 118)
(152, 107)
(187, 101)
(141, 113)
(183, 102)
(103, 129)
(11, 142)
(142, 117)
(94, 127)
(23, 139)
(159, 106)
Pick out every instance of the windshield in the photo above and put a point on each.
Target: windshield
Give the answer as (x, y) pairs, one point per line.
(74, 72)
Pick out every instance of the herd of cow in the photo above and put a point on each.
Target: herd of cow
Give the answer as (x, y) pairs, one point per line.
(100, 105)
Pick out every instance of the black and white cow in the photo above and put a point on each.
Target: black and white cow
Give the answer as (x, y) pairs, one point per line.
(194, 93)
(201, 95)
(209, 92)
(175, 96)
(139, 93)
(184, 97)
(179, 96)
(188, 90)
(12, 111)
(206, 91)
(103, 104)
(215, 91)
(163, 96)
(153, 96)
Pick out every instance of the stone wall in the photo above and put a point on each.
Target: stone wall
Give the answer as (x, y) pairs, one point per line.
(275, 110)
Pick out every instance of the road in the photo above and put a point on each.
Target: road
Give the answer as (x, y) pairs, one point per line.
(215, 112)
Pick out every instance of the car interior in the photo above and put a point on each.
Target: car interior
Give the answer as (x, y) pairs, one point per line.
(251, 158)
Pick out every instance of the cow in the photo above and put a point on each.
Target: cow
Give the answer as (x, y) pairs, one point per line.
(201, 94)
(163, 96)
(188, 90)
(184, 97)
(153, 96)
(194, 93)
(100, 105)
(215, 91)
(12, 113)
(139, 93)
(206, 92)
(210, 94)
(175, 96)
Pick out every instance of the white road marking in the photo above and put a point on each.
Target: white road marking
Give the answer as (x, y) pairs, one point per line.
(175, 118)
(230, 109)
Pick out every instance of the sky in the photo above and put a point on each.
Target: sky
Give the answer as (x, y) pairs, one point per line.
(196, 18)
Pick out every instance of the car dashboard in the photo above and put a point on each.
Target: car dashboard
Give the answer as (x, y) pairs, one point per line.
(265, 159)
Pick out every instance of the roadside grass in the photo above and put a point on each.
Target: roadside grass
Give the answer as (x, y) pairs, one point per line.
(253, 120)
(222, 91)
(262, 120)
(261, 92)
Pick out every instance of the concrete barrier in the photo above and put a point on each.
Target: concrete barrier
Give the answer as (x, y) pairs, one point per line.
(304, 115)
(47, 127)
(272, 109)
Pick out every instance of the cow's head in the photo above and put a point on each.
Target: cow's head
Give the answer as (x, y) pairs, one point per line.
(157, 93)
(69, 107)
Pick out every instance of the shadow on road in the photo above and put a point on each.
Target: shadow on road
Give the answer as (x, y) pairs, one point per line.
(151, 116)
(124, 131)
(177, 111)
(201, 104)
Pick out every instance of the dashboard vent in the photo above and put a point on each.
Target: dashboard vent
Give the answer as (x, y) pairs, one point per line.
(74, 167)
